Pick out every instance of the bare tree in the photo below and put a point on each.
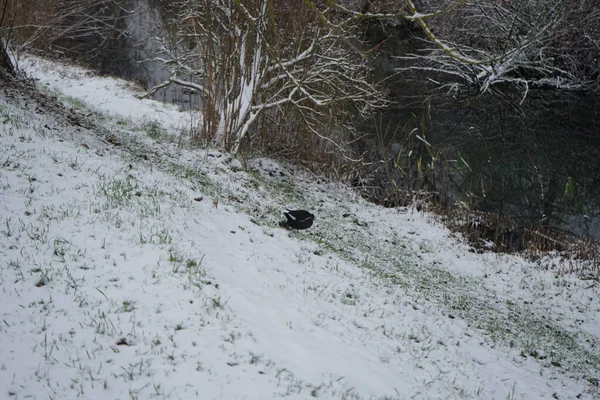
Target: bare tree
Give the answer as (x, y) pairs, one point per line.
(496, 42)
(483, 43)
(254, 57)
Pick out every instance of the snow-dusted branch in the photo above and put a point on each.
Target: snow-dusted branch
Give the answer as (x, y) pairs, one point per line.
(499, 45)
(174, 81)
(490, 42)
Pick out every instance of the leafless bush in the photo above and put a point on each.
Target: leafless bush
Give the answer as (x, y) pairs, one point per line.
(576, 42)
(61, 27)
(273, 65)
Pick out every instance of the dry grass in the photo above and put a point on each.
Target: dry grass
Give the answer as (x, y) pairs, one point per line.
(484, 231)
(551, 249)
(283, 136)
(572, 256)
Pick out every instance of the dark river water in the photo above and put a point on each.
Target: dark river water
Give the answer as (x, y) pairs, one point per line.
(538, 162)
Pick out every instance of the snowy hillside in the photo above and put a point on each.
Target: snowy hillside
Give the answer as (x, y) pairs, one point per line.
(134, 267)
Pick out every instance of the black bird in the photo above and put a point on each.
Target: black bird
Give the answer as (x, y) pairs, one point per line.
(299, 219)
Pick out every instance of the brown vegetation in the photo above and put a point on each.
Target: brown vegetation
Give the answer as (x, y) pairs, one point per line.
(285, 80)
(77, 29)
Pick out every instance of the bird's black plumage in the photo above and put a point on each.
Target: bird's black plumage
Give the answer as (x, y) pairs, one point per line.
(299, 219)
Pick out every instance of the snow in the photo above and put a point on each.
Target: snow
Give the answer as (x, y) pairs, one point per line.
(148, 270)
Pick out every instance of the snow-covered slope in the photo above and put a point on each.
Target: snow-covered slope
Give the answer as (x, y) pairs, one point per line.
(131, 267)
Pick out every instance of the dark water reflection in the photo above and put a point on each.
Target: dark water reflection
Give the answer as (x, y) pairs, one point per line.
(538, 162)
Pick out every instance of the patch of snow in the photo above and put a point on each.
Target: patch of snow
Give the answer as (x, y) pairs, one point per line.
(159, 272)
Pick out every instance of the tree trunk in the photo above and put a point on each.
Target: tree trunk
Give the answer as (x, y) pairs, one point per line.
(5, 62)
